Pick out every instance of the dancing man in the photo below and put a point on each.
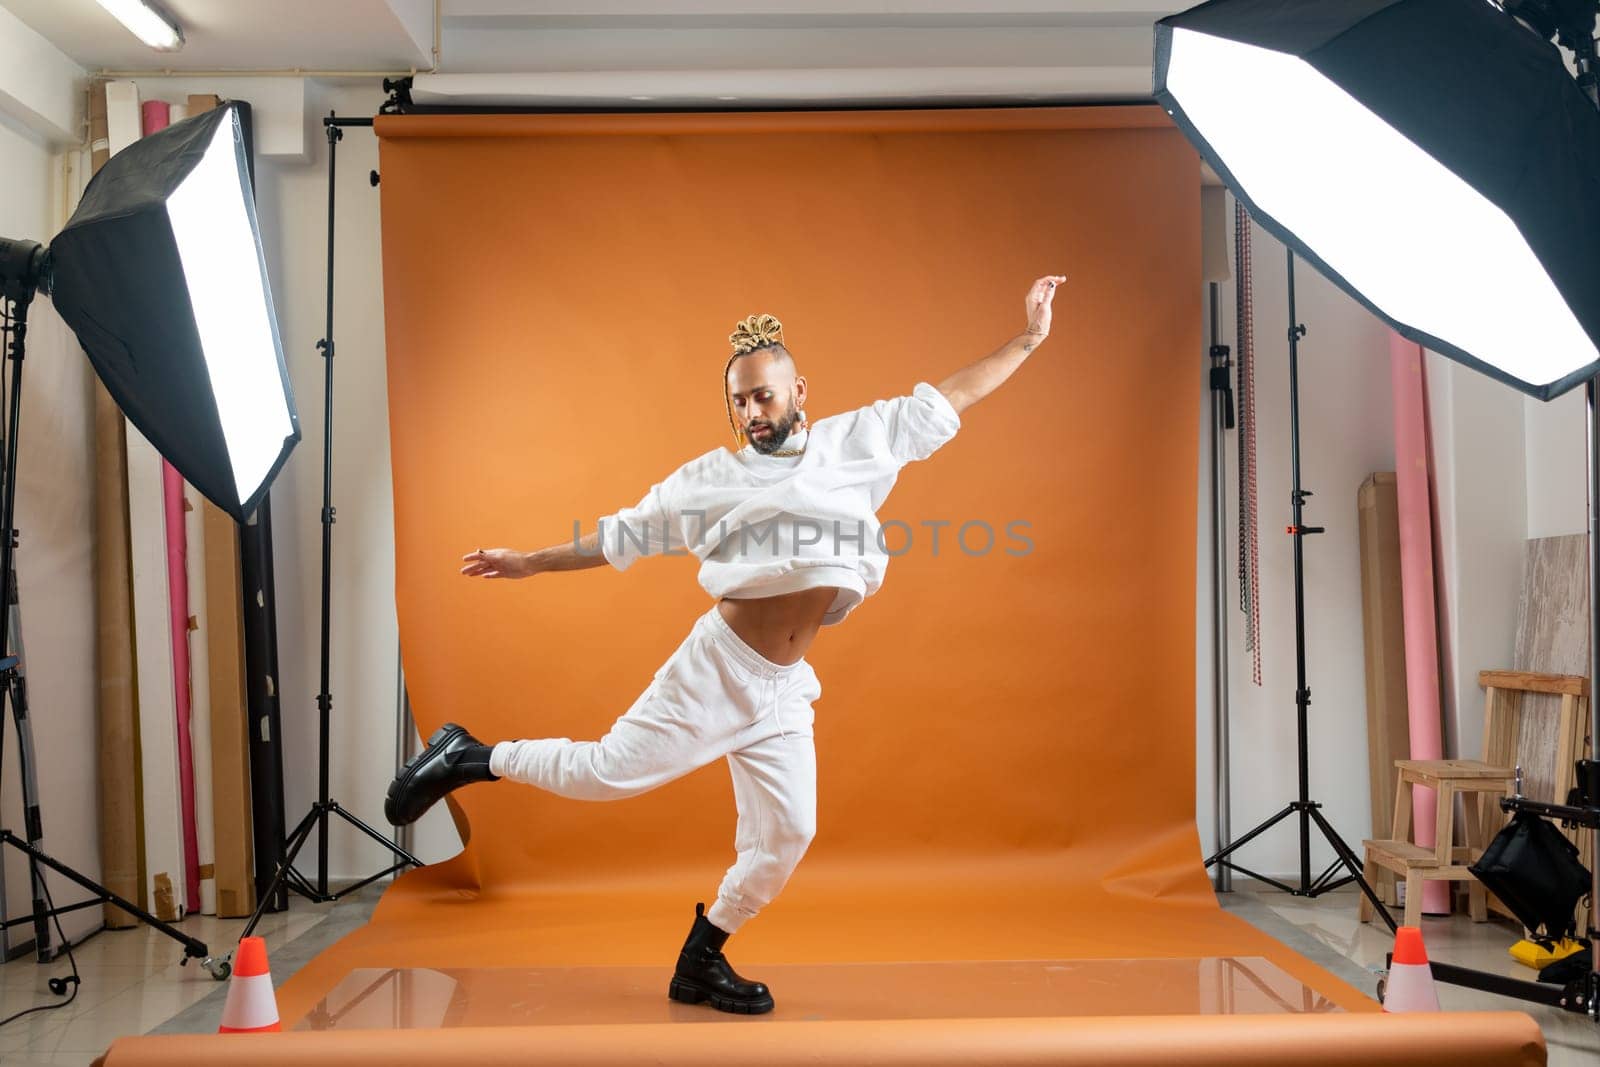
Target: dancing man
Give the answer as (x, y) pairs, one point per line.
(786, 533)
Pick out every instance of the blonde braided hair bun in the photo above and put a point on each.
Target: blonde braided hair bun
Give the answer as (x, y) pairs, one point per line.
(755, 332)
(752, 333)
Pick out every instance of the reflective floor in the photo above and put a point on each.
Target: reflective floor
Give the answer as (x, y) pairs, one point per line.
(408, 998)
(132, 981)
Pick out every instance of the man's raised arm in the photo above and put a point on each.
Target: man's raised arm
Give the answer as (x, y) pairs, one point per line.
(972, 383)
(649, 528)
(509, 563)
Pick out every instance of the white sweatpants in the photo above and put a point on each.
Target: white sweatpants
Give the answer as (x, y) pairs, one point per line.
(714, 697)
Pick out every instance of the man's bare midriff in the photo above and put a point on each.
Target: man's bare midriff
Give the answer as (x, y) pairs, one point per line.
(782, 627)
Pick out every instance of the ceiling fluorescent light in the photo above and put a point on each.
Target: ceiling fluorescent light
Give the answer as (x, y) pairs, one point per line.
(147, 23)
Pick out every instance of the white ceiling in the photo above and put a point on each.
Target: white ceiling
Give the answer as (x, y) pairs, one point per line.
(227, 34)
(535, 36)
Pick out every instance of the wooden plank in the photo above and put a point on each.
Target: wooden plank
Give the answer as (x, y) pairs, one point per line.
(1535, 682)
(1383, 633)
(1428, 771)
(200, 696)
(1401, 852)
(1553, 638)
(116, 713)
(230, 748)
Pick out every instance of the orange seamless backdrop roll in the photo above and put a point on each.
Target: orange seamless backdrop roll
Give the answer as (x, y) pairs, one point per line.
(558, 293)
(1005, 741)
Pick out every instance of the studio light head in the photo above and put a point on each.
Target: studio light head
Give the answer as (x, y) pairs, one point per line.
(22, 269)
(1433, 158)
(160, 274)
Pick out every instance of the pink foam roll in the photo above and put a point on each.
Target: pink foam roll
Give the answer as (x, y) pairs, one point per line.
(1413, 477)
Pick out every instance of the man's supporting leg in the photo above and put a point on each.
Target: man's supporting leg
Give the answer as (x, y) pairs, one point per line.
(775, 787)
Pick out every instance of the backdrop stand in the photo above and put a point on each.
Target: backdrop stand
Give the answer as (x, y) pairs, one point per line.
(1222, 419)
(324, 806)
(1308, 810)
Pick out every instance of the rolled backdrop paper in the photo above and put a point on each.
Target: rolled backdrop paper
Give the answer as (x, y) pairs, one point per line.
(1461, 1039)
(1412, 479)
(116, 713)
(160, 794)
(156, 118)
(1006, 734)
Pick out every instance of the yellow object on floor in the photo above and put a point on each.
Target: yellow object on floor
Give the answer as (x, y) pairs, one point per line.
(1532, 954)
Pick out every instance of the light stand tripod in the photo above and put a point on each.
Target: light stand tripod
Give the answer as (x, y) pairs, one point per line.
(324, 806)
(1308, 810)
(14, 690)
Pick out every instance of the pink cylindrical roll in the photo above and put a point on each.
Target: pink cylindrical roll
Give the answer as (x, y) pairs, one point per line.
(1412, 478)
(156, 114)
(178, 599)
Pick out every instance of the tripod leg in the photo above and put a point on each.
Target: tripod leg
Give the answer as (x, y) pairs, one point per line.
(16, 686)
(386, 842)
(1247, 838)
(282, 874)
(1355, 866)
(191, 946)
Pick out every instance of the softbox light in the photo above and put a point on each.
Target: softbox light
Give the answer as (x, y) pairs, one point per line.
(1434, 158)
(160, 274)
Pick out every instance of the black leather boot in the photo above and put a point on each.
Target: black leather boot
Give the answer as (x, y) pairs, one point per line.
(703, 973)
(453, 758)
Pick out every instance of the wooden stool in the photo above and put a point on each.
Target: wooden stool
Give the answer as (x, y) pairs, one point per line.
(1444, 860)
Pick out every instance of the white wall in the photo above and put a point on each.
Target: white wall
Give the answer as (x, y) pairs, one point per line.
(1554, 451)
(1505, 469)
(55, 564)
(1480, 476)
(1346, 432)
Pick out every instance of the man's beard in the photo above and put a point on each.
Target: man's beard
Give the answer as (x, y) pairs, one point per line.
(780, 431)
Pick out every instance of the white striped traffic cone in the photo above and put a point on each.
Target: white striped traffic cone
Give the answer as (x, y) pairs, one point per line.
(252, 1007)
(1410, 984)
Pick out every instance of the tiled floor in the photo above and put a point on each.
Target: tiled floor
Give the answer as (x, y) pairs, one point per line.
(133, 984)
(1326, 930)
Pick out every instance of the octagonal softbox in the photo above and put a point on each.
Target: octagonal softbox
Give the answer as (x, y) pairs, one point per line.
(1434, 158)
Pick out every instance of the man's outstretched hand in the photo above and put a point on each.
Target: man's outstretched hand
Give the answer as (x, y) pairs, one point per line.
(497, 563)
(1038, 302)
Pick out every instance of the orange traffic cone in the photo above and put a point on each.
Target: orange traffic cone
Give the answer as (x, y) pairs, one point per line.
(252, 1007)
(1410, 984)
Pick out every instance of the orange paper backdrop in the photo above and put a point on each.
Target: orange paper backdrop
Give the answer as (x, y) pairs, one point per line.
(558, 306)
(1005, 742)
